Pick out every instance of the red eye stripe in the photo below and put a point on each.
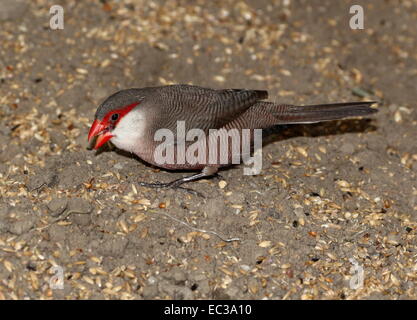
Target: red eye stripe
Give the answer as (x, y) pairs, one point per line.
(122, 112)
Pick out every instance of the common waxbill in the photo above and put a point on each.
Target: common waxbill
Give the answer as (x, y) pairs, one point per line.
(130, 118)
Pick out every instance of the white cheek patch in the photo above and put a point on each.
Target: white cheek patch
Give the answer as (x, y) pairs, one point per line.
(129, 130)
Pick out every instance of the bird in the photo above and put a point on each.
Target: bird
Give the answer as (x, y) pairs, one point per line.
(131, 118)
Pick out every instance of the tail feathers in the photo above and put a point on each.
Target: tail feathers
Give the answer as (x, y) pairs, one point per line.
(287, 114)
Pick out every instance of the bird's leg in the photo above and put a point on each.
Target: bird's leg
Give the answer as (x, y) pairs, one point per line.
(176, 184)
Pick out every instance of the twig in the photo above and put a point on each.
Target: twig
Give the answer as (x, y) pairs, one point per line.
(60, 218)
(197, 229)
(37, 188)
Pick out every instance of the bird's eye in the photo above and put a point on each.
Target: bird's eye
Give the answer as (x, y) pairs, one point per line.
(115, 116)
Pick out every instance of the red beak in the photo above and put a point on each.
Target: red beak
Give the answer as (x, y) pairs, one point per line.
(101, 131)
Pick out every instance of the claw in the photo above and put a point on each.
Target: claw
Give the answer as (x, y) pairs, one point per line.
(218, 176)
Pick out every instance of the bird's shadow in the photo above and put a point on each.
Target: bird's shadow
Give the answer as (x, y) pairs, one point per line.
(279, 133)
(328, 128)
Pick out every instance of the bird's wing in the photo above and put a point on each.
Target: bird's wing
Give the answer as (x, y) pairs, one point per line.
(203, 108)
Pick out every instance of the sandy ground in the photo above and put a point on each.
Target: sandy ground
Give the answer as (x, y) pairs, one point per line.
(333, 199)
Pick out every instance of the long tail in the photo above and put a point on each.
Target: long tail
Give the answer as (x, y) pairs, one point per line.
(287, 114)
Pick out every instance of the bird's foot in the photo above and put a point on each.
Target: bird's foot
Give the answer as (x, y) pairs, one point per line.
(176, 184)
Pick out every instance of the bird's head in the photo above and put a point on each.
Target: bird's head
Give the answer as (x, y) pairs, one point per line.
(110, 114)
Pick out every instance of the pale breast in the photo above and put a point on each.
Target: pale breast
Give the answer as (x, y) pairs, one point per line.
(130, 131)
